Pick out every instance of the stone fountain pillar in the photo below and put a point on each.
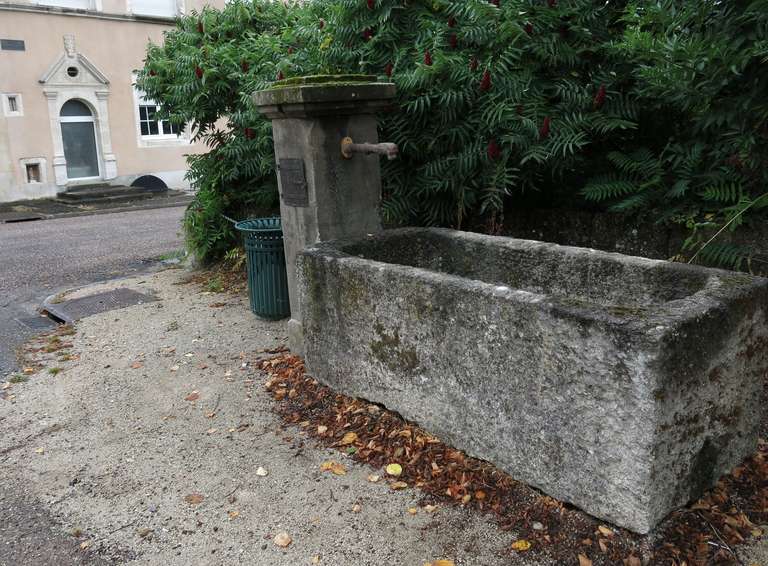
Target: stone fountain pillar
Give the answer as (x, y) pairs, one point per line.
(325, 132)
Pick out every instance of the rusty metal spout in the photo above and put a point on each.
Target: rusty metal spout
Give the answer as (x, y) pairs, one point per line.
(349, 148)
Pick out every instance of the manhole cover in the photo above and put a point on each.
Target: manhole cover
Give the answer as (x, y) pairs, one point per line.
(75, 309)
(37, 322)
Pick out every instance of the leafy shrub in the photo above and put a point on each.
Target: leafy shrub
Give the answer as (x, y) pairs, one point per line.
(647, 108)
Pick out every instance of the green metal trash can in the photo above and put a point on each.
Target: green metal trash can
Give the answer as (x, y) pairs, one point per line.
(267, 277)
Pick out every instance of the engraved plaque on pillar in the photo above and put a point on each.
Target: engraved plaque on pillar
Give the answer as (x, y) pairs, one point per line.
(294, 182)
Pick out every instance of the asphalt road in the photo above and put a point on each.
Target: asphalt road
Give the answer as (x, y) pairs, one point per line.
(41, 258)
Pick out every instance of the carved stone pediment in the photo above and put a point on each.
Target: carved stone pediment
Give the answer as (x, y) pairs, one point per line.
(73, 69)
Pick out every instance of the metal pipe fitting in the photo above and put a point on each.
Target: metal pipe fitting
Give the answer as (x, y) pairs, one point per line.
(349, 148)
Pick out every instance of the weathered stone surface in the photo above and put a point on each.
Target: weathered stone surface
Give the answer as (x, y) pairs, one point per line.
(341, 197)
(624, 385)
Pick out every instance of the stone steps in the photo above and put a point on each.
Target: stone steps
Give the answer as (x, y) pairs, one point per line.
(84, 194)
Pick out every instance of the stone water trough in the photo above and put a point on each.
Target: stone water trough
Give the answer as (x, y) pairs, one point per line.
(623, 385)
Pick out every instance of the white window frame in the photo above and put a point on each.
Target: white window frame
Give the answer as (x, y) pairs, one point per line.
(155, 140)
(7, 105)
(90, 5)
(178, 9)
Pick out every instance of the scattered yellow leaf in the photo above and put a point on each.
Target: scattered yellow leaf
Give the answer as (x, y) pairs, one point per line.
(412, 510)
(282, 539)
(333, 467)
(466, 499)
(28, 370)
(394, 469)
(398, 485)
(521, 545)
(194, 498)
(233, 515)
(584, 561)
(315, 560)
(194, 396)
(441, 563)
(39, 450)
(348, 438)
(373, 478)
(85, 544)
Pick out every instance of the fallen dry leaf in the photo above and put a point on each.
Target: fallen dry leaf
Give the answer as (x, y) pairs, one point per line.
(521, 545)
(605, 531)
(412, 510)
(211, 431)
(315, 560)
(394, 469)
(356, 508)
(584, 561)
(334, 467)
(137, 365)
(348, 438)
(441, 563)
(85, 544)
(233, 515)
(261, 472)
(194, 396)
(632, 560)
(466, 499)
(430, 508)
(398, 485)
(322, 429)
(373, 478)
(282, 539)
(144, 532)
(174, 368)
(39, 450)
(194, 498)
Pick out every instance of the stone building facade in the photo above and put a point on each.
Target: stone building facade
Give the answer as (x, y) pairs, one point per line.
(69, 110)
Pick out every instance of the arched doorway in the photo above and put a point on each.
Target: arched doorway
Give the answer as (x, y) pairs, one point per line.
(79, 137)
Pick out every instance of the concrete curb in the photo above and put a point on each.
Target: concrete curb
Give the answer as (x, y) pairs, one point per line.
(49, 307)
(148, 205)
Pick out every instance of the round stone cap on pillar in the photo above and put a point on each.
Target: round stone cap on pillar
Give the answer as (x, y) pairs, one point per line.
(324, 95)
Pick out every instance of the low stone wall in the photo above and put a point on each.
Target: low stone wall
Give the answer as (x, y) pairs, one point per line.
(625, 386)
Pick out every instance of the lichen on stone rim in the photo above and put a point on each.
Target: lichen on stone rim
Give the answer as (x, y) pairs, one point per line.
(323, 80)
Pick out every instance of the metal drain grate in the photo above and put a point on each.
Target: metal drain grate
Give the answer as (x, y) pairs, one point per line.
(75, 309)
(37, 322)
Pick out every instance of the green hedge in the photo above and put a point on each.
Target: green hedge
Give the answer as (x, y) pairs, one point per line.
(657, 109)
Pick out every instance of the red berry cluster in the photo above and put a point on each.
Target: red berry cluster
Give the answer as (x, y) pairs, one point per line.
(428, 58)
(485, 82)
(599, 99)
(544, 130)
(494, 151)
(198, 72)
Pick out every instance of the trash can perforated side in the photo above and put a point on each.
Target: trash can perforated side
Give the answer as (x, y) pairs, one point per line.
(267, 276)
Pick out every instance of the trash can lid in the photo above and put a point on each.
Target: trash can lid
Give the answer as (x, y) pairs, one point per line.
(259, 224)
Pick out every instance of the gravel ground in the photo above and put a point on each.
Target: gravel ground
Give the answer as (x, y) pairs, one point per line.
(110, 447)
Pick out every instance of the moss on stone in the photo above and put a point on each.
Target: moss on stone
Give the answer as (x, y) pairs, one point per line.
(323, 80)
